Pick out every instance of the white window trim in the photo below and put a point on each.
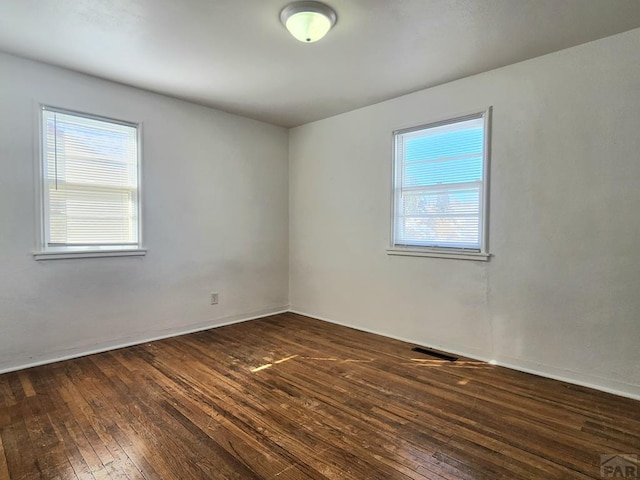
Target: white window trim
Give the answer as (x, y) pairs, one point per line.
(433, 252)
(88, 254)
(42, 252)
(436, 252)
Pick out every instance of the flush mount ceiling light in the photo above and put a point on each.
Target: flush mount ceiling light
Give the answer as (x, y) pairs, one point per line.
(308, 21)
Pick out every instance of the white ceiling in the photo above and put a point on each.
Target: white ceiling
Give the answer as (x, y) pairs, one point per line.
(236, 56)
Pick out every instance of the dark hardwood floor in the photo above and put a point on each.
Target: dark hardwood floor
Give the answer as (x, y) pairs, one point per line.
(289, 397)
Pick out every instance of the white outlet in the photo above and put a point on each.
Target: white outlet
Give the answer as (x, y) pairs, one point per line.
(214, 298)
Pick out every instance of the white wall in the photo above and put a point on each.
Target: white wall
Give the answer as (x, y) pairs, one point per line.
(561, 296)
(215, 191)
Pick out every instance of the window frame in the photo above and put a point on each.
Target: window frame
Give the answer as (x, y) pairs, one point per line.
(444, 252)
(43, 250)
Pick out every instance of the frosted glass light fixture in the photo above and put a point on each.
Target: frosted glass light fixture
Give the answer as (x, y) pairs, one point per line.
(308, 21)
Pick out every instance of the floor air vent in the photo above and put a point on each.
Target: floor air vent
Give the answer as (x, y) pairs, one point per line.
(433, 353)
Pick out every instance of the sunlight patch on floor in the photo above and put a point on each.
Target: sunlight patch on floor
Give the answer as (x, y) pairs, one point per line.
(269, 365)
(428, 362)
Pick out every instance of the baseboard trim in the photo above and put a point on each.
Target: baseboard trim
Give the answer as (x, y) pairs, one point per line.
(614, 387)
(76, 352)
(589, 381)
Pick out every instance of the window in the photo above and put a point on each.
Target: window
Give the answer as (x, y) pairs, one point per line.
(440, 189)
(90, 186)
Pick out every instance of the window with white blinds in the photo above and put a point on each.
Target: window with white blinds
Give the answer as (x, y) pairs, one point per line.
(440, 191)
(90, 183)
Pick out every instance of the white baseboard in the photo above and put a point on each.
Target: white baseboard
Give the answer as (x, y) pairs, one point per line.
(607, 385)
(67, 354)
(584, 380)
(445, 348)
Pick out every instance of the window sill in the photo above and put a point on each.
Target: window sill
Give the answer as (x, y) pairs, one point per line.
(89, 254)
(456, 255)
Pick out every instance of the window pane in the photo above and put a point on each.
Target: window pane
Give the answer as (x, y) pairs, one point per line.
(91, 188)
(440, 185)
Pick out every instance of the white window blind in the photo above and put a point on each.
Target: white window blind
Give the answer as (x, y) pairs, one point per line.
(90, 174)
(440, 185)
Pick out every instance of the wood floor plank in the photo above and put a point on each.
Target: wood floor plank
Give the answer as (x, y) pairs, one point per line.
(293, 398)
(27, 387)
(4, 469)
